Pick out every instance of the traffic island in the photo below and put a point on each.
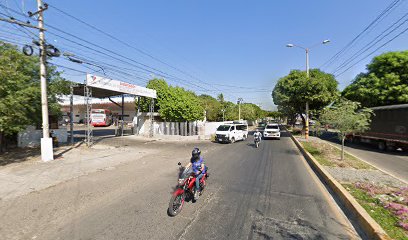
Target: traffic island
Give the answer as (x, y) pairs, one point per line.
(376, 201)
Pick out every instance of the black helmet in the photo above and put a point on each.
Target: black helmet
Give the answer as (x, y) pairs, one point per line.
(195, 154)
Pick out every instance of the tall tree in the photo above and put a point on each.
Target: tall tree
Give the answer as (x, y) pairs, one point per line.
(294, 90)
(384, 83)
(20, 92)
(211, 106)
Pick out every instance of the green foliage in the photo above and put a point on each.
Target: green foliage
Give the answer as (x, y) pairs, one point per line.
(346, 117)
(231, 111)
(293, 91)
(162, 90)
(173, 103)
(212, 107)
(385, 82)
(20, 93)
(250, 111)
(178, 104)
(181, 105)
(273, 114)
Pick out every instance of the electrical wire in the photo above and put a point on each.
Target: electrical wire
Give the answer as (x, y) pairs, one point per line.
(372, 44)
(355, 39)
(371, 53)
(127, 44)
(145, 67)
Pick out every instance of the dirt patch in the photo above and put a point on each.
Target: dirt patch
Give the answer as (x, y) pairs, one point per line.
(19, 155)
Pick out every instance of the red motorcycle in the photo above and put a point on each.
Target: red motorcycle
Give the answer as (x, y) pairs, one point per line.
(185, 189)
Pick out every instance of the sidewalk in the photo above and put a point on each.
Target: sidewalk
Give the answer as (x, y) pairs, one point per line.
(33, 175)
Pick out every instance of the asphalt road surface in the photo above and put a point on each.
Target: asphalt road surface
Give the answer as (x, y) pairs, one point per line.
(264, 193)
(393, 162)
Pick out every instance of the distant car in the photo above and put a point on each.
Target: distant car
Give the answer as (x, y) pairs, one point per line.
(272, 131)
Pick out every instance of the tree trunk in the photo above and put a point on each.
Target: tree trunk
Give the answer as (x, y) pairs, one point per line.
(294, 120)
(1, 142)
(342, 147)
(304, 123)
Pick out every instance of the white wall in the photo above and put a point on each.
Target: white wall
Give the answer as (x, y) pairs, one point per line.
(32, 137)
(211, 127)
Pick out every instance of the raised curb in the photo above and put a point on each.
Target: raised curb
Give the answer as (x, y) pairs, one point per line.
(367, 224)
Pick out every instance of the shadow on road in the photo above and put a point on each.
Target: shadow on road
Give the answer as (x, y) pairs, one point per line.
(67, 150)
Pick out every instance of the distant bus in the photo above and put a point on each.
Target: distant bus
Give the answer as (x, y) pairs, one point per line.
(101, 117)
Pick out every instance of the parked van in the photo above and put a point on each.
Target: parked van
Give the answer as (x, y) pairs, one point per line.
(231, 132)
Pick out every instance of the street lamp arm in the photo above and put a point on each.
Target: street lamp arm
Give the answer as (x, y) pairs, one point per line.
(294, 45)
(320, 43)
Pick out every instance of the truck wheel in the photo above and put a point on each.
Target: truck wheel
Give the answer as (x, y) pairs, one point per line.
(391, 148)
(244, 137)
(381, 146)
(232, 140)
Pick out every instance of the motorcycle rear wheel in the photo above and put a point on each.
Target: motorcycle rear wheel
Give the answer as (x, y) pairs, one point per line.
(202, 187)
(176, 204)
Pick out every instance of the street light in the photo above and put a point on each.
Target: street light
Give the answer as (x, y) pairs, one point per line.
(290, 45)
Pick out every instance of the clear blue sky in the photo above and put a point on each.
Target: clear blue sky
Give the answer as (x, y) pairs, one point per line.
(225, 42)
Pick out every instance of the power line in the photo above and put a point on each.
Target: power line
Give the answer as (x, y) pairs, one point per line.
(241, 87)
(117, 39)
(392, 39)
(18, 6)
(145, 67)
(154, 71)
(355, 39)
(128, 45)
(8, 10)
(13, 41)
(371, 44)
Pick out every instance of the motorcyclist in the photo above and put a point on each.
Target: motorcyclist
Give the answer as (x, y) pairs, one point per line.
(198, 167)
(257, 135)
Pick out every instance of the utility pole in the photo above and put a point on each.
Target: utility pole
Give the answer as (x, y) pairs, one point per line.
(223, 115)
(307, 102)
(71, 114)
(239, 108)
(46, 142)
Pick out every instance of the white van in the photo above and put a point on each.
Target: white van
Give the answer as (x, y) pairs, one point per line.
(231, 132)
(272, 131)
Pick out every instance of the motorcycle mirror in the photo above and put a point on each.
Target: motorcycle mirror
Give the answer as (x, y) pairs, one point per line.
(179, 163)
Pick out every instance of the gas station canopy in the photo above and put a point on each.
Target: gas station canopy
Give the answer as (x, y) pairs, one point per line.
(105, 87)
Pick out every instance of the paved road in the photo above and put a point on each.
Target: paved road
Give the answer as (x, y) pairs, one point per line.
(395, 163)
(264, 193)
